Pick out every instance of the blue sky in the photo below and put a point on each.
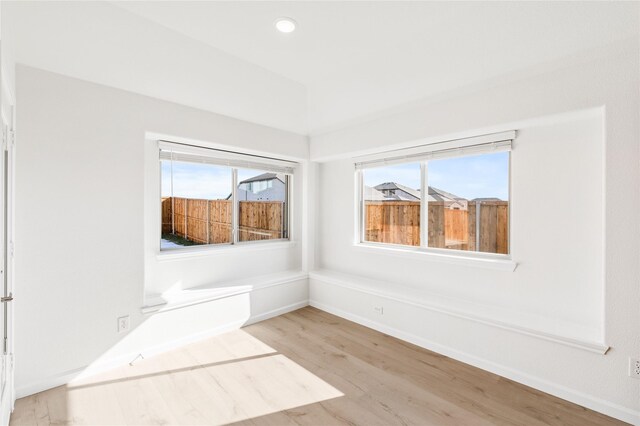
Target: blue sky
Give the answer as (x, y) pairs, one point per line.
(192, 180)
(470, 177)
(204, 181)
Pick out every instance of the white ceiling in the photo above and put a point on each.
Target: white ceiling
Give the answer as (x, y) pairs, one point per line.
(336, 39)
(355, 59)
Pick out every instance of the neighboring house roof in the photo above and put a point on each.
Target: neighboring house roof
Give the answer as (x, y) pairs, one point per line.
(404, 193)
(372, 194)
(264, 176)
(271, 193)
(276, 193)
(440, 195)
(487, 199)
(403, 196)
(411, 194)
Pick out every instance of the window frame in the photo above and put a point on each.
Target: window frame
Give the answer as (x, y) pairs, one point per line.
(235, 243)
(501, 260)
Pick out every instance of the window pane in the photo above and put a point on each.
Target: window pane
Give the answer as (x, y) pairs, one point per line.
(196, 204)
(469, 203)
(392, 204)
(262, 205)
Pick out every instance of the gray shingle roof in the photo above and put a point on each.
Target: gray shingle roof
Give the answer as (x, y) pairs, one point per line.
(487, 199)
(411, 194)
(264, 176)
(372, 194)
(440, 195)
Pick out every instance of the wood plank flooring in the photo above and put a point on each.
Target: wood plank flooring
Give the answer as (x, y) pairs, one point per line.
(303, 368)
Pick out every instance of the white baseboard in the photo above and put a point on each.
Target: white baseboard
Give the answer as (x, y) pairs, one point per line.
(68, 376)
(596, 404)
(276, 312)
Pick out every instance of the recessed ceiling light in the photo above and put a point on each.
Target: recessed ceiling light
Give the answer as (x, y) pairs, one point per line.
(285, 25)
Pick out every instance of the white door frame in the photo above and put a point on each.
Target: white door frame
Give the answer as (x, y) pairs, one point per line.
(7, 121)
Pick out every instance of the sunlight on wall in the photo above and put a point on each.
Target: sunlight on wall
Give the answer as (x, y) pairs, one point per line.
(166, 330)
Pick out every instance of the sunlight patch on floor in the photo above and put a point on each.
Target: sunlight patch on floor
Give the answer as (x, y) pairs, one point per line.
(228, 378)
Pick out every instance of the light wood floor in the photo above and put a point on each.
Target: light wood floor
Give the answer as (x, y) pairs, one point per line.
(306, 367)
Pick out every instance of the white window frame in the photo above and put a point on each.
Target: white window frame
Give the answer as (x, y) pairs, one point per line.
(484, 144)
(234, 161)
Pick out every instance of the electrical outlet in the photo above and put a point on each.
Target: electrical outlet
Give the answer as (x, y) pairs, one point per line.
(123, 324)
(634, 368)
(379, 309)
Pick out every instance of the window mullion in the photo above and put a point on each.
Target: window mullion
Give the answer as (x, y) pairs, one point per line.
(235, 210)
(424, 206)
(173, 200)
(360, 208)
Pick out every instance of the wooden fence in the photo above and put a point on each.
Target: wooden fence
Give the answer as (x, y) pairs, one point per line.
(398, 222)
(210, 221)
(261, 220)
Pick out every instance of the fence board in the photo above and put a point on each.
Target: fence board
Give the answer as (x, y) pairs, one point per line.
(179, 216)
(260, 220)
(197, 220)
(436, 224)
(502, 243)
(166, 215)
(394, 222)
(471, 227)
(456, 227)
(220, 221)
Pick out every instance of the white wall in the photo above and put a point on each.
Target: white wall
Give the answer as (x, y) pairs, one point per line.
(82, 221)
(575, 176)
(7, 62)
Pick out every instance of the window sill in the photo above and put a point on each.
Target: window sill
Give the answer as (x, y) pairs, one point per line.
(193, 296)
(479, 260)
(188, 252)
(503, 317)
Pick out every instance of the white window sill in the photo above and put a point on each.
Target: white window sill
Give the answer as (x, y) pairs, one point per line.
(504, 317)
(192, 296)
(221, 249)
(481, 260)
